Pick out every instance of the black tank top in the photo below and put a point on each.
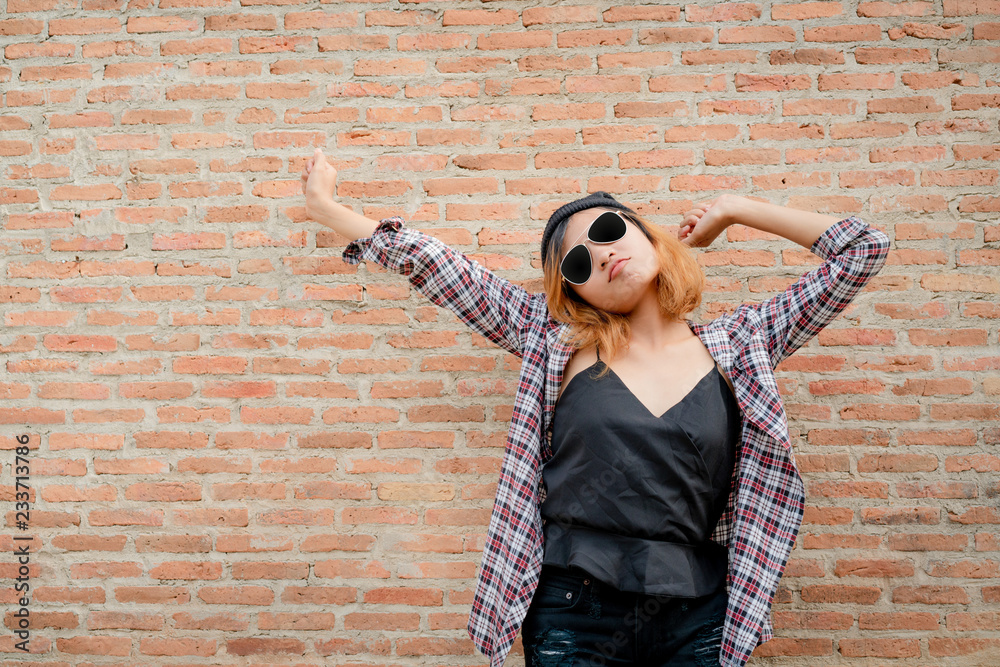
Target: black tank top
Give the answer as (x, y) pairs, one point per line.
(633, 498)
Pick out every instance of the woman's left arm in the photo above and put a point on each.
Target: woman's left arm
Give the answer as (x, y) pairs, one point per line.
(854, 252)
(803, 227)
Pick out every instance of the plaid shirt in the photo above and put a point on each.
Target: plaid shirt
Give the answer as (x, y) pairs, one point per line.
(765, 508)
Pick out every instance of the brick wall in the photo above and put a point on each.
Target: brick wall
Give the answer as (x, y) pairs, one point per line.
(243, 450)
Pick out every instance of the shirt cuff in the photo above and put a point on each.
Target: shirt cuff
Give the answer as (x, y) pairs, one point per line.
(354, 252)
(836, 237)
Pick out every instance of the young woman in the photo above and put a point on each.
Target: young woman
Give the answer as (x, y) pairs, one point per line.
(670, 499)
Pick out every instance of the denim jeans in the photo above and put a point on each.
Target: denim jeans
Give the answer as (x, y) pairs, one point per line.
(574, 620)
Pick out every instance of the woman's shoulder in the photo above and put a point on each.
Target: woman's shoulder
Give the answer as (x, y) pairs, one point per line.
(738, 324)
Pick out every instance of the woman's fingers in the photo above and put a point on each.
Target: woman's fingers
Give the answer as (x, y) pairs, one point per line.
(692, 216)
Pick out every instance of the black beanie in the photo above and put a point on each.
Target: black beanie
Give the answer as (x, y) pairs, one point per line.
(562, 214)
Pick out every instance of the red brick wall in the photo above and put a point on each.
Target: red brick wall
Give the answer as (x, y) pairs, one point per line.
(242, 448)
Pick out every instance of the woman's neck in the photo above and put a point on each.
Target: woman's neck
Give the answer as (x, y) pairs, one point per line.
(657, 335)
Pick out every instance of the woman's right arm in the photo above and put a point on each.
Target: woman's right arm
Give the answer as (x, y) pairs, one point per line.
(319, 179)
(492, 306)
(344, 221)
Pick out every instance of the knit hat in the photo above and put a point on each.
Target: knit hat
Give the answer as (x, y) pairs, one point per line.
(562, 214)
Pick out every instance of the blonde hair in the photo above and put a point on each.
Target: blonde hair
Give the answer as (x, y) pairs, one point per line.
(679, 283)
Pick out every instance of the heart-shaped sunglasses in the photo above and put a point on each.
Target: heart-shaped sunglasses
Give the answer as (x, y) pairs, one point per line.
(578, 263)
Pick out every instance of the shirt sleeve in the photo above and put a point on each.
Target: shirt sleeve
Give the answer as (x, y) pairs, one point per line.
(854, 252)
(490, 305)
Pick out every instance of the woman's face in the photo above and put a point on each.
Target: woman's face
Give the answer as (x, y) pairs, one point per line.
(633, 280)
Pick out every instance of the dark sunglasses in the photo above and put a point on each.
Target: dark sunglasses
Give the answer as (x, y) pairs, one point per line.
(577, 265)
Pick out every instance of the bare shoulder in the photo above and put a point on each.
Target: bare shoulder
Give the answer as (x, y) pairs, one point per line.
(681, 364)
(582, 359)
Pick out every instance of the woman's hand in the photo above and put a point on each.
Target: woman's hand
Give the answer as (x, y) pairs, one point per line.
(319, 183)
(704, 223)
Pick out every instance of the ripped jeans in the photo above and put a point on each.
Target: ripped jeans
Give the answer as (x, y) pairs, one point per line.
(574, 620)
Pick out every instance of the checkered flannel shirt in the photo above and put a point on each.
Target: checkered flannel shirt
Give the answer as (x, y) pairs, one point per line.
(762, 519)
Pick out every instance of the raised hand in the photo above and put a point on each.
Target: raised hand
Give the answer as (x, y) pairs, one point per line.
(319, 184)
(704, 223)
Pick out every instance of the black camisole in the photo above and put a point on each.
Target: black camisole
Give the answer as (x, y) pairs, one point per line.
(633, 498)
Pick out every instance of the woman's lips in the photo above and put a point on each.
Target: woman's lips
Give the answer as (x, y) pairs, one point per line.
(616, 269)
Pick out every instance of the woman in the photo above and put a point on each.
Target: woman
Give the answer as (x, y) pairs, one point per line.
(663, 544)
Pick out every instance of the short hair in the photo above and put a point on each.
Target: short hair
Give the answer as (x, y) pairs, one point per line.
(680, 284)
